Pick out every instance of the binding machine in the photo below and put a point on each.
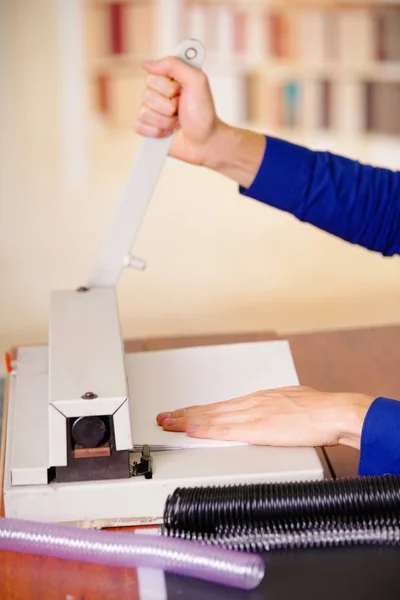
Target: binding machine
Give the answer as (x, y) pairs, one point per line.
(82, 444)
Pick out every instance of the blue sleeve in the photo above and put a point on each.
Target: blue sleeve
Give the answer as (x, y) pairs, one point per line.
(380, 439)
(358, 203)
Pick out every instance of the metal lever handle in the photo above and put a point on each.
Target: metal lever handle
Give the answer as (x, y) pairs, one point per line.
(114, 253)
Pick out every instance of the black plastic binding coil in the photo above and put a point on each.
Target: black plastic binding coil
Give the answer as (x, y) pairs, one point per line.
(274, 516)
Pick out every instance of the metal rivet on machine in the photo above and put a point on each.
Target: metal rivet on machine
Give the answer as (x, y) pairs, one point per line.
(88, 396)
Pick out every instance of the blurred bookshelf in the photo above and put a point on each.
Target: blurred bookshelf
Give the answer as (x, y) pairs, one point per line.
(300, 67)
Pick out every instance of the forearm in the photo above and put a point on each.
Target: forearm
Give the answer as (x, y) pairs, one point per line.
(236, 153)
(358, 203)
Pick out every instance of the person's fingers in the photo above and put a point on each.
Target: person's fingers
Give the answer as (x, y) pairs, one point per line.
(227, 406)
(268, 399)
(236, 416)
(275, 430)
(233, 404)
(176, 69)
(164, 85)
(162, 416)
(172, 423)
(263, 398)
(291, 416)
(241, 403)
(151, 117)
(161, 104)
(228, 432)
(151, 130)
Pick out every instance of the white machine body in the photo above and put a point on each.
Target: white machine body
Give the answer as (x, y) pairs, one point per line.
(84, 377)
(137, 500)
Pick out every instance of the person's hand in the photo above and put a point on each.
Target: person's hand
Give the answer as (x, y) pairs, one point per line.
(289, 416)
(178, 97)
(172, 87)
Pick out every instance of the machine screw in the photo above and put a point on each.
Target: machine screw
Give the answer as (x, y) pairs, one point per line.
(88, 396)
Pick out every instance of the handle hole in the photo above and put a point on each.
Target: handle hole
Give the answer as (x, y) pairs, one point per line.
(191, 53)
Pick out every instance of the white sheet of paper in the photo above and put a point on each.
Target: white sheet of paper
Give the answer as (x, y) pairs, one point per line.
(165, 380)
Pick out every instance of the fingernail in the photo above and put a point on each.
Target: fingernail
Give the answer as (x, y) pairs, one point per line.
(150, 63)
(168, 422)
(191, 429)
(163, 416)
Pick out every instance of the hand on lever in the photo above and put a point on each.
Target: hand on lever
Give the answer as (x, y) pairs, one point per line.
(174, 87)
(178, 97)
(289, 416)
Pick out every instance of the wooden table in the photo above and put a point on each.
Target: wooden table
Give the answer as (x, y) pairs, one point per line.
(359, 360)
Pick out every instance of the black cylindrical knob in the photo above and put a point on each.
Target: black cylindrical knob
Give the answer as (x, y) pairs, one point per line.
(89, 432)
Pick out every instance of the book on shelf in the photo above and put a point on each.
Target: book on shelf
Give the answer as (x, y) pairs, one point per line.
(356, 34)
(382, 107)
(97, 34)
(117, 17)
(308, 65)
(311, 36)
(229, 92)
(140, 30)
(311, 106)
(389, 34)
(291, 101)
(240, 31)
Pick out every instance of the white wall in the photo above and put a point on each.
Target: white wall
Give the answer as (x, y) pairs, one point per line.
(216, 261)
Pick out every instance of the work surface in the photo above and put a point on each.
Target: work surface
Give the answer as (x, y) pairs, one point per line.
(360, 361)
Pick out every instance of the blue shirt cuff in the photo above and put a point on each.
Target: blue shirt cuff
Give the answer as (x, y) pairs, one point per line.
(380, 439)
(283, 178)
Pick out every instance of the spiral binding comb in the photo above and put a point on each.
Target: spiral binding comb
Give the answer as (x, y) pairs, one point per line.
(265, 517)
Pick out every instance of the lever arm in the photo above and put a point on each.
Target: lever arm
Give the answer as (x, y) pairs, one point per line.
(115, 252)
